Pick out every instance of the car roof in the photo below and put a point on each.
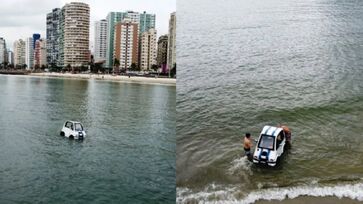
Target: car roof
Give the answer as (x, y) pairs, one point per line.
(271, 130)
(72, 121)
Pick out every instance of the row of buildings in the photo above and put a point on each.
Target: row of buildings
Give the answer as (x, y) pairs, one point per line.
(28, 53)
(123, 39)
(131, 38)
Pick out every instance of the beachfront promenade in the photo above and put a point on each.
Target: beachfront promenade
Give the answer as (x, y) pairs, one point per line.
(120, 78)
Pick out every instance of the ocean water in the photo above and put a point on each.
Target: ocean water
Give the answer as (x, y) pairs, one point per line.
(128, 155)
(246, 64)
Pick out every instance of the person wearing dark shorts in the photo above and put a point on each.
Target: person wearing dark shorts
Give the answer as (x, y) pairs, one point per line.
(247, 144)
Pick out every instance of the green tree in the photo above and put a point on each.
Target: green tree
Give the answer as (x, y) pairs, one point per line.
(173, 71)
(83, 68)
(68, 67)
(154, 67)
(133, 67)
(6, 64)
(116, 64)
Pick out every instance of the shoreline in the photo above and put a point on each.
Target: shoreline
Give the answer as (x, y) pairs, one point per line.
(106, 77)
(311, 199)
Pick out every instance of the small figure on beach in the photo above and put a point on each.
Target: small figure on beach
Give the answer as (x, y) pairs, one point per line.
(247, 145)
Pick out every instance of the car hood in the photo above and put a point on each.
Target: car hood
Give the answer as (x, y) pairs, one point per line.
(264, 154)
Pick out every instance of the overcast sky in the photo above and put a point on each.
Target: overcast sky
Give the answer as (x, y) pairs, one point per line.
(22, 18)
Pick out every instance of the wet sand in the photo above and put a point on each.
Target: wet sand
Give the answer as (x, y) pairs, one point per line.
(132, 79)
(311, 199)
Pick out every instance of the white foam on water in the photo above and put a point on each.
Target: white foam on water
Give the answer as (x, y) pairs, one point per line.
(240, 163)
(353, 191)
(230, 194)
(185, 195)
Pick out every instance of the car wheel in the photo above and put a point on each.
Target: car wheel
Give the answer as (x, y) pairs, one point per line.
(62, 133)
(71, 137)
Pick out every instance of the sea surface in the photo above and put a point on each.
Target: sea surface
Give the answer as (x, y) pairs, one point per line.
(246, 64)
(128, 155)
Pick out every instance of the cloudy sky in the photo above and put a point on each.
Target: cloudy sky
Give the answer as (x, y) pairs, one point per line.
(22, 18)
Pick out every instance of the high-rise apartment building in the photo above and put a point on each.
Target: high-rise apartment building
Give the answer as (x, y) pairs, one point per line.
(10, 57)
(29, 53)
(148, 49)
(171, 42)
(36, 36)
(133, 16)
(126, 43)
(112, 19)
(53, 34)
(40, 53)
(100, 41)
(19, 53)
(144, 20)
(74, 34)
(147, 21)
(3, 51)
(162, 52)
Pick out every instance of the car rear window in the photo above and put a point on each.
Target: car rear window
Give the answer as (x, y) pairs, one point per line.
(78, 127)
(266, 142)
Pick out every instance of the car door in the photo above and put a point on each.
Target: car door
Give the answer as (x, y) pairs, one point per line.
(67, 130)
(71, 130)
(280, 148)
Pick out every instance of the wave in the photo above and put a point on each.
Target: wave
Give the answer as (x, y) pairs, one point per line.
(219, 194)
(240, 163)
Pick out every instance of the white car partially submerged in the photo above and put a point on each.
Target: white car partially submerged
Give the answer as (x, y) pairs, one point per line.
(270, 146)
(73, 130)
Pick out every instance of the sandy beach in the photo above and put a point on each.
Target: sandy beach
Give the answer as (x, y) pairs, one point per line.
(126, 79)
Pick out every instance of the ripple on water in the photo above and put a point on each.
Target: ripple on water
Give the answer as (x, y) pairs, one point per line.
(294, 63)
(127, 155)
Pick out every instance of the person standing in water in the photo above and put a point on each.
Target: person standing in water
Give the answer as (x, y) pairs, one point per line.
(287, 133)
(247, 145)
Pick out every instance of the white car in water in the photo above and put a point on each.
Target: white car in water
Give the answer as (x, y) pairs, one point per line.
(73, 130)
(270, 146)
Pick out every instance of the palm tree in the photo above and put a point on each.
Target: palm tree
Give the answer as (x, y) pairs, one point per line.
(116, 64)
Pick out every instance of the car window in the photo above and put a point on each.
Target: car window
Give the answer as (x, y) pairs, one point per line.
(266, 142)
(78, 127)
(68, 124)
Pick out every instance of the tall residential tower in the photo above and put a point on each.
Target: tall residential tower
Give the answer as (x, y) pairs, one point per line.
(162, 52)
(3, 51)
(148, 49)
(29, 53)
(11, 57)
(112, 19)
(171, 42)
(126, 43)
(40, 53)
(53, 29)
(100, 41)
(74, 38)
(19, 53)
(147, 21)
(36, 36)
